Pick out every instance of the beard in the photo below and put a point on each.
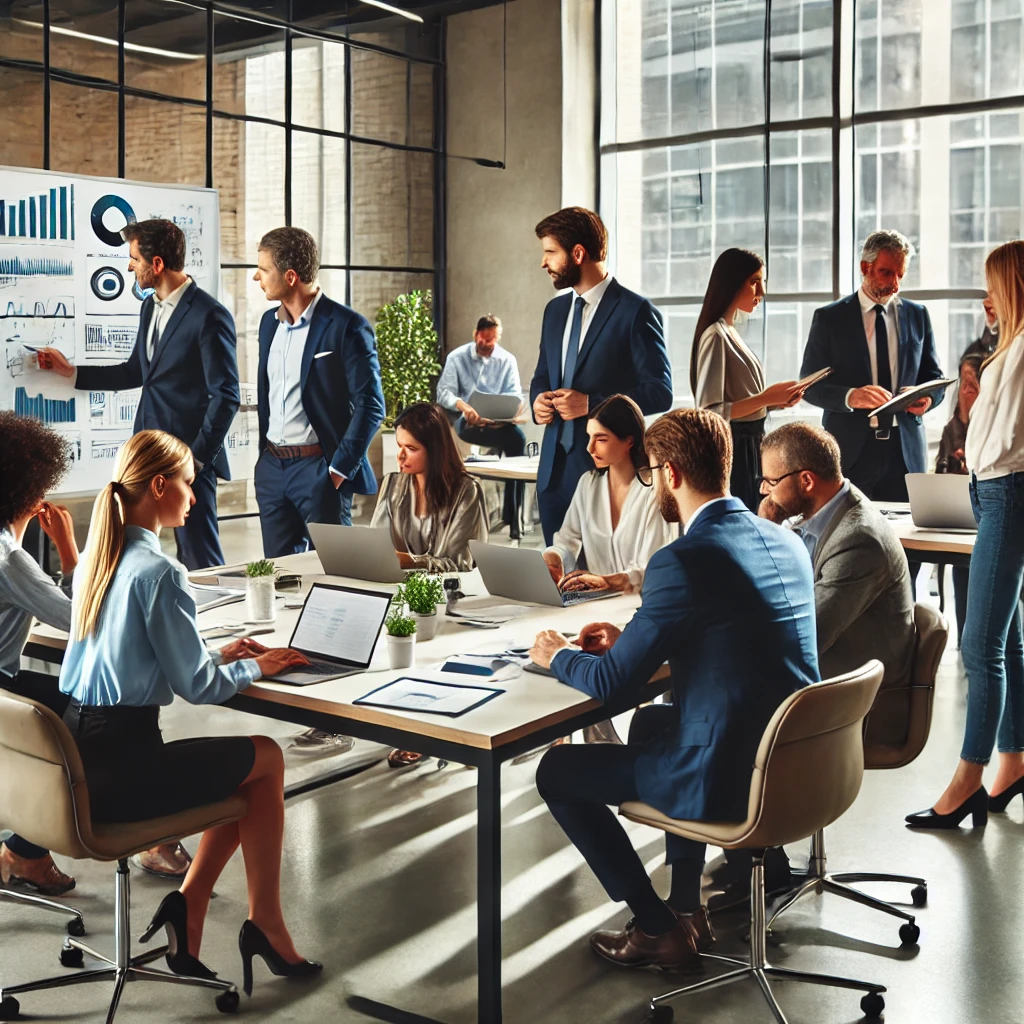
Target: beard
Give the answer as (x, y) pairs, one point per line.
(568, 276)
(668, 506)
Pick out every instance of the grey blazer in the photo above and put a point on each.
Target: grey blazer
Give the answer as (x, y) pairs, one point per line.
(862, 595)
(449, 535)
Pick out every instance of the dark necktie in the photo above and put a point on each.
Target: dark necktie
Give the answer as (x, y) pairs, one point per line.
(565, 433)
(155, 338)
(882, 361)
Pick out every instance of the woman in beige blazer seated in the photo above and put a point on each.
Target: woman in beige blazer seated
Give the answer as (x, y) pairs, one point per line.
(727, 377)
(432, 505)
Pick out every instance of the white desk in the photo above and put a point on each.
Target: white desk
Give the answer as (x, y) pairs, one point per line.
(533, 711)
(522, 468)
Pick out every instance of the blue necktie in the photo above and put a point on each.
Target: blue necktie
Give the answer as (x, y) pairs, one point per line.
(565, 433)
(882, 362)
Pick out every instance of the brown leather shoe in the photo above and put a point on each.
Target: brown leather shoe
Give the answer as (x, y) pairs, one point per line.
(39, 874)
(168, 860)
(633, 948)
(698, 924)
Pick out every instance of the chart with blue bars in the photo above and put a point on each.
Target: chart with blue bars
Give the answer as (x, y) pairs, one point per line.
(49, 410)
(46, 216)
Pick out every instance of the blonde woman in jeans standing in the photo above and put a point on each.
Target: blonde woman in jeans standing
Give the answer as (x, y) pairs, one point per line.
(993, 648)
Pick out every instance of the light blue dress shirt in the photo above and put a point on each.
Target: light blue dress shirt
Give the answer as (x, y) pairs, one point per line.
(811, 530)
(289, 423)
(465, 372)
(146, 646)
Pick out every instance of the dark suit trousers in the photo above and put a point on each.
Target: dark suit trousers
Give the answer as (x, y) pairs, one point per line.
(293, 492)
(555, 499)
(578, 783)
(509, 440)
(199, 539)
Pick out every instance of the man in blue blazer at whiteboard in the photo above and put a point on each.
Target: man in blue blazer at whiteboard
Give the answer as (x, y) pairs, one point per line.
(184, 360)
(598, 339)
(319, 394)
(730, 606)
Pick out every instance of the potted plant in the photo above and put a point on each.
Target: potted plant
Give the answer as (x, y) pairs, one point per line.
(423, 593)
(259, 591)
(401, 630)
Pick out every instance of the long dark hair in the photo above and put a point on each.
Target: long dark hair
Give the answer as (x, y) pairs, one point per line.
(445, 470)
(622, 416)
(731, 270)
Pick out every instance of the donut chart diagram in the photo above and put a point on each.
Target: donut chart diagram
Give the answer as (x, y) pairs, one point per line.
(106, 283)
(99, 209)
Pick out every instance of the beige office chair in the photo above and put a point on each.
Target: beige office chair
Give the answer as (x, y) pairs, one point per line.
(43, 794)
(895, 733)
(807, 772)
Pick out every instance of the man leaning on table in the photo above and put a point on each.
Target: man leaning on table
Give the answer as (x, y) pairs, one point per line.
(730, 575)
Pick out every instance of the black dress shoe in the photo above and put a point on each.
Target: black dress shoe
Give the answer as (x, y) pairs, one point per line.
(976, 805)
(997, 804)
(172, 914)
(252, 942)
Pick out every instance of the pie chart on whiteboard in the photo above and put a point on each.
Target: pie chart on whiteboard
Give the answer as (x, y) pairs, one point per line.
(110, 214)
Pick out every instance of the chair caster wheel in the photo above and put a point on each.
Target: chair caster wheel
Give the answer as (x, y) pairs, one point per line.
(919, 894)
(9, 1007)
(71, 957)
(660, 1014)
(75, 927)
(872, 1005)
(909, 934)
(227, 1002)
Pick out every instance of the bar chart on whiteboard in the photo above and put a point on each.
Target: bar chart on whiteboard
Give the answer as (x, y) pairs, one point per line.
(65, 284)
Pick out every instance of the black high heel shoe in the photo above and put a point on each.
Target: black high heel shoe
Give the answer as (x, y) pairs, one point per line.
(172, 914)
(976, 805)
(252, 942)
(998, 804)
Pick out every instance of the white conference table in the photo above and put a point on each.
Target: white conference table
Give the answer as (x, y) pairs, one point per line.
(533, 711)
(521, 468)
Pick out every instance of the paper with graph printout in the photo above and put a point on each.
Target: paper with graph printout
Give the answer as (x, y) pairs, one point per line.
(429, 695)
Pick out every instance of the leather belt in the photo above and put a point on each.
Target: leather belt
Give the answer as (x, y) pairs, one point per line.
(294, 451)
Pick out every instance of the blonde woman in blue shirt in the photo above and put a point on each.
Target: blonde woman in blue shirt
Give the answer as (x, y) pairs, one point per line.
(134, 646)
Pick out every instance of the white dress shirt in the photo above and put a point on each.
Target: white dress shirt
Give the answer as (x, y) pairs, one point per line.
(162, 310)
(465, 372)
(867, 308)
(289, 424)
(592, 299)
(995, 434)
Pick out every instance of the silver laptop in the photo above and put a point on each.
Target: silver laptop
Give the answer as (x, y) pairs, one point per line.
(337, 630)
(361, 552)
(521, 574)
(500, 408)
(941, 501)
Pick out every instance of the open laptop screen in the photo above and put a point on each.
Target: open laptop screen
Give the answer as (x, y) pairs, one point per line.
(340, 623)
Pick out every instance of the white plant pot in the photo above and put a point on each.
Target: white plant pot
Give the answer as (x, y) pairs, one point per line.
(402, 651)
(259, 599)
(426, 625)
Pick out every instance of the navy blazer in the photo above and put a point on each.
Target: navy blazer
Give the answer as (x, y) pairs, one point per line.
(340, 384)
(623, 352)
(837, 339)
(190, 389)
(730, 605)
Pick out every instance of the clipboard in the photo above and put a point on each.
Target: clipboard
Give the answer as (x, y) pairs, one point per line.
(425, 688)
(900, 402)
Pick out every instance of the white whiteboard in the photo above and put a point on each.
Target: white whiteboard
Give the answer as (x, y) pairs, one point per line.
(64, 281)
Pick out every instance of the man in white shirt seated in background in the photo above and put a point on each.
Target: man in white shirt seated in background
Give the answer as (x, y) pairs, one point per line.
(483, 365)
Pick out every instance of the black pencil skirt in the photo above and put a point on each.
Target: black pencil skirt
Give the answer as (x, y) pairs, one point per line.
(745, 481)
(133, 775)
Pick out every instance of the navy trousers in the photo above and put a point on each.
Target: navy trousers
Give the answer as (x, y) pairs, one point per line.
(199, 539)
(293, 492)
(554, 499)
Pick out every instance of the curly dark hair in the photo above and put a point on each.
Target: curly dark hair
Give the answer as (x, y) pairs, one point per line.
(33, 459)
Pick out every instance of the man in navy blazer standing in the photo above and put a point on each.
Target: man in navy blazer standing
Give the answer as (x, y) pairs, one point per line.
(877, 344)
(597, 340)
(319, 395)
(730, 606)
(184, 360)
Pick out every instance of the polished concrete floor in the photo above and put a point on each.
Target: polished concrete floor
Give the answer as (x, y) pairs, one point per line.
(378, 877)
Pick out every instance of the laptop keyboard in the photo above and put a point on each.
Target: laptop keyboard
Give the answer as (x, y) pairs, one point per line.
(317, 667)
(571, 597)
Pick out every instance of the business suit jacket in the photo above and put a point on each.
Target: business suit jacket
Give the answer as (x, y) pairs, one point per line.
(837, 339)
(865, 608)
(340, 383)
(190, 389)
(623, 352)
(731, 606)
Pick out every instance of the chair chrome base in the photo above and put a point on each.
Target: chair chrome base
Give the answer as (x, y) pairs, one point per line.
(76, 926)
(122, 969)
(758, 968)
(819, 880)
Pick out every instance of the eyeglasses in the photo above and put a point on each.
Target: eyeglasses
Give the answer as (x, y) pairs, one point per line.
(774, 482)
(645, 474)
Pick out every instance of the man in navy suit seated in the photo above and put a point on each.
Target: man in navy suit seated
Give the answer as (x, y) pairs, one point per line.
(319, 395)
(597, 340)
(184, 360)
(730, 606)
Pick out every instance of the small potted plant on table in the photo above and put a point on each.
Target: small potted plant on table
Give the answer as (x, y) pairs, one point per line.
(401, 630)
(423, 593)
(259, 591)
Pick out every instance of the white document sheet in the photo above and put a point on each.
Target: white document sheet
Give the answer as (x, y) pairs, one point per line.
(450, 699)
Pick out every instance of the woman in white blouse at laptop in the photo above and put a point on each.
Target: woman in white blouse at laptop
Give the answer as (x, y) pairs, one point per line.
(614, 521)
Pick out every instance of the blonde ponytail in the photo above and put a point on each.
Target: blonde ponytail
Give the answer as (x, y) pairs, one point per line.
(145, 455)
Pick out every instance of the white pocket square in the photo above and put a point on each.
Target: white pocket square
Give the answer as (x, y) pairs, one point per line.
(320, 355)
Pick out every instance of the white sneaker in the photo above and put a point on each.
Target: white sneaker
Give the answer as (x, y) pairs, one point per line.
(316, 741)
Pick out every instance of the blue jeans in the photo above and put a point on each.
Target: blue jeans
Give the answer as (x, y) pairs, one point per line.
(992, 646)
